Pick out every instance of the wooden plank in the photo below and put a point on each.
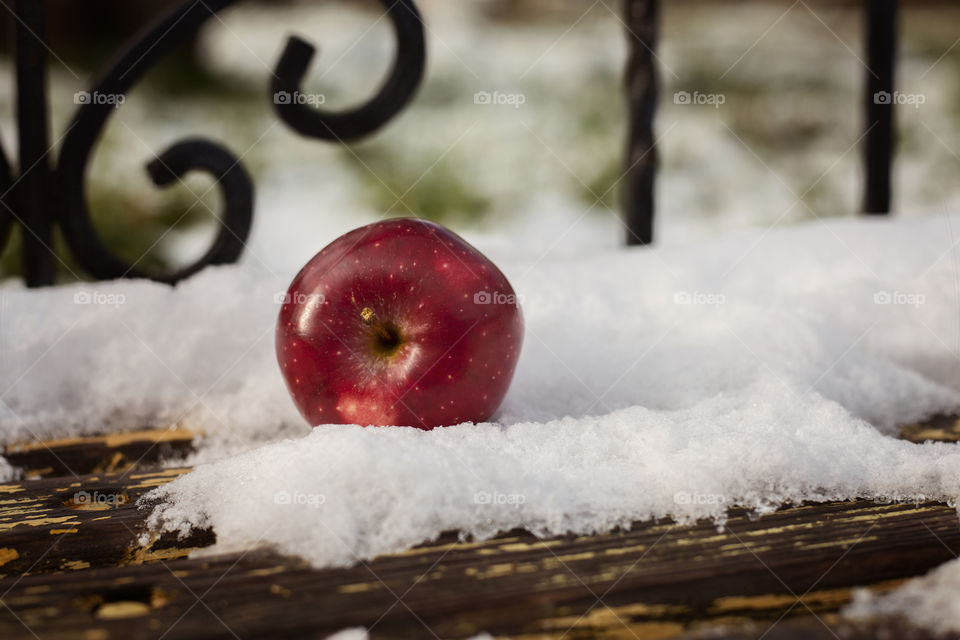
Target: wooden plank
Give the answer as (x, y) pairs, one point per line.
(658, 578)
(57, 525)
(72, 567)
(100, 453)
(944, 428)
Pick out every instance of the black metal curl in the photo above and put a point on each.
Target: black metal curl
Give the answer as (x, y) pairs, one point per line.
(396, 91)
(149, 48)
(232, 179)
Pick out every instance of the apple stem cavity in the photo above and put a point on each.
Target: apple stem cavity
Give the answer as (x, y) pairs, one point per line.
(387, 335)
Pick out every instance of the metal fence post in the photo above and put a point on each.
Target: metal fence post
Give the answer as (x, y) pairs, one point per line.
(33, 201)
(642, 92)
(881, 39)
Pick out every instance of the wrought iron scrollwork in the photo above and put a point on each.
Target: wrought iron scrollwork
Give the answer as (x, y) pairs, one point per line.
(63, 189)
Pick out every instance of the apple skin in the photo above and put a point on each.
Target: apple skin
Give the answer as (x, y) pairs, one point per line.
(400, 322)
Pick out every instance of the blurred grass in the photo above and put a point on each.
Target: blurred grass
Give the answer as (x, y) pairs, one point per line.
(394, 184)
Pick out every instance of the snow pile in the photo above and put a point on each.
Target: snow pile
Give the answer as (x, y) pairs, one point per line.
(761, 368)
(82, 359)
(929, 602)
(671, 382)
(345, 493)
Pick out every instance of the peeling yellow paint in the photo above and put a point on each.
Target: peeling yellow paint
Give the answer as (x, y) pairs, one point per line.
(482, 545)
(141, 555)
(26, 511)
(122, 610)
(496, 570)
(359, 587)
(158, 474)
(19, 501)
(605, 616)
(845, 542)
(110, 441)
(7, 554)
(574, 557)
(38, 522)
(618, 551)
(267, 571)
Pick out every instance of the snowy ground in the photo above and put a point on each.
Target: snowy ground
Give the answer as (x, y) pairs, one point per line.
(761, 368)
(767, 364)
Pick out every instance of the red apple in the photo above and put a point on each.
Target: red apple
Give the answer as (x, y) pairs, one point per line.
(400, 322)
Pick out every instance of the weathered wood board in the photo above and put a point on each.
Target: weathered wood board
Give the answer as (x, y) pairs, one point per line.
(72, 567)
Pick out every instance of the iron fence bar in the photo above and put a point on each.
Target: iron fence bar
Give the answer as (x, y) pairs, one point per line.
(881, 42)
(642, 92)
(53, 191)
(33, 198)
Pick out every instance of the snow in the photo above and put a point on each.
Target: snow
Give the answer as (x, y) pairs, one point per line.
(929, 602)
(762, 368)
(753, 367)
(353, 633)
(346, 493)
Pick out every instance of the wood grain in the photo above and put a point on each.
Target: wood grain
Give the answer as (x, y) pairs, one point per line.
(142, 448)
(72, 567)
(87, 571)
